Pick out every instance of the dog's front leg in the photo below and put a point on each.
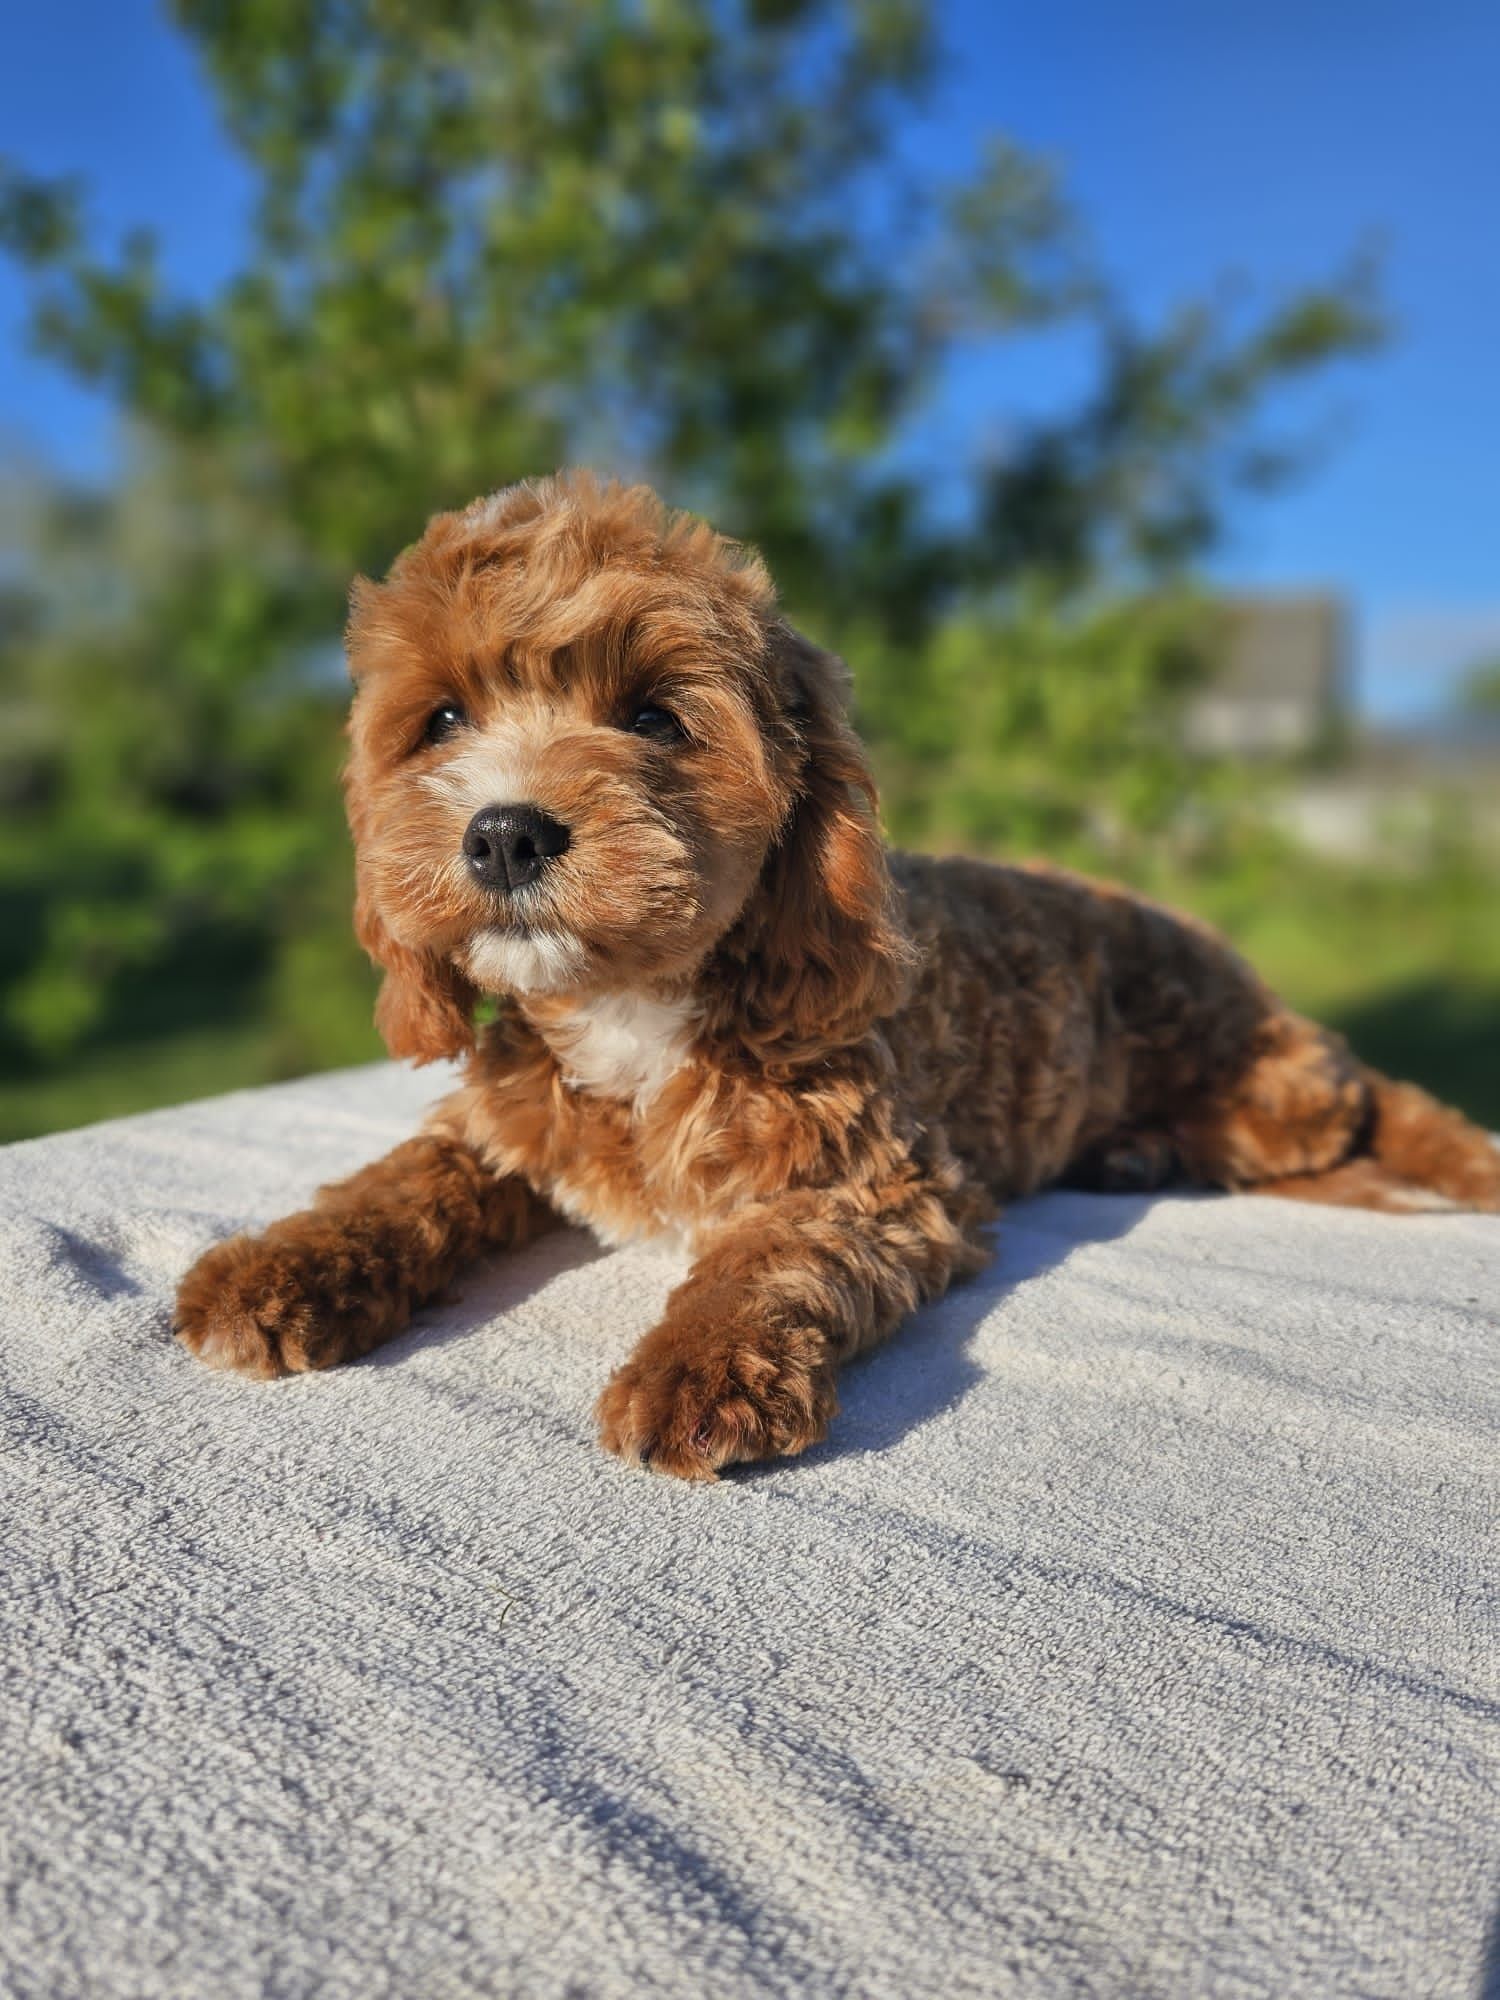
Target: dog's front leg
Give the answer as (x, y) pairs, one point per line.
(743, 1365)
(333, 1281)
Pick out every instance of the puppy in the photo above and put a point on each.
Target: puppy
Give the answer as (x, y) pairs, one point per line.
(595, 778)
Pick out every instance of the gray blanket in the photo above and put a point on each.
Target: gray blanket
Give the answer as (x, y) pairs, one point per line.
(1133, 1634)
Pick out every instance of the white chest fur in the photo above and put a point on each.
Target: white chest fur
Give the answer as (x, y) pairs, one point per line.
(625, 1045)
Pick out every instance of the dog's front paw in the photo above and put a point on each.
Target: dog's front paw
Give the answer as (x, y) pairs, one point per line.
(259, 1307)
(690, 1401)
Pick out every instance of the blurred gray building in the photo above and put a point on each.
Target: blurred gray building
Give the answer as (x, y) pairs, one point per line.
(1284, 689)
(1284, 686)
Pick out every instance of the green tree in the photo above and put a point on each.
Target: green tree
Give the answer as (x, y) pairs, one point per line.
(668, 238)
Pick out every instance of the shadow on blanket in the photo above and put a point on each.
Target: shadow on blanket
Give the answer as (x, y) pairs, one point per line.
(926, 1368)
(1489, 1972)
(487, 1291)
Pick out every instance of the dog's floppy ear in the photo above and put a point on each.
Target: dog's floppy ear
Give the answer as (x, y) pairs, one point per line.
(425, 1010)
(821, 949)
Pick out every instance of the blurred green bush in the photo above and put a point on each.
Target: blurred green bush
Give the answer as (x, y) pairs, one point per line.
(665, 239)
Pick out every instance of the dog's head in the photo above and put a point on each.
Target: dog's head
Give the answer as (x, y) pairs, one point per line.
(588, 757)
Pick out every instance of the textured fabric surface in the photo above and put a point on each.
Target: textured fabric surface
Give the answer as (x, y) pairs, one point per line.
(1134, 1632)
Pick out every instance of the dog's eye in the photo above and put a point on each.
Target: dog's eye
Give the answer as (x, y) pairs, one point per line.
(658, 723)
(442, 722)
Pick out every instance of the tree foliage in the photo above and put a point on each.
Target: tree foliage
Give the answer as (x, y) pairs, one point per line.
(669, 238)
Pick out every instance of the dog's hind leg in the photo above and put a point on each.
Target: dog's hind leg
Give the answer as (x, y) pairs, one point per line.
(1430, 1146)
(1361, 1183)
(1303, 1119)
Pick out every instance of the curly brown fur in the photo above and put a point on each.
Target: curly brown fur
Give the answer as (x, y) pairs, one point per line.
(331, 1283)
(726, 1012)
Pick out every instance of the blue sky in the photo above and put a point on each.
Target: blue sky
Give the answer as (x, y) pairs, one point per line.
(1200, 138)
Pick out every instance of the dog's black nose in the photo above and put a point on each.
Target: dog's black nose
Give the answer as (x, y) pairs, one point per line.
(507, 846)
